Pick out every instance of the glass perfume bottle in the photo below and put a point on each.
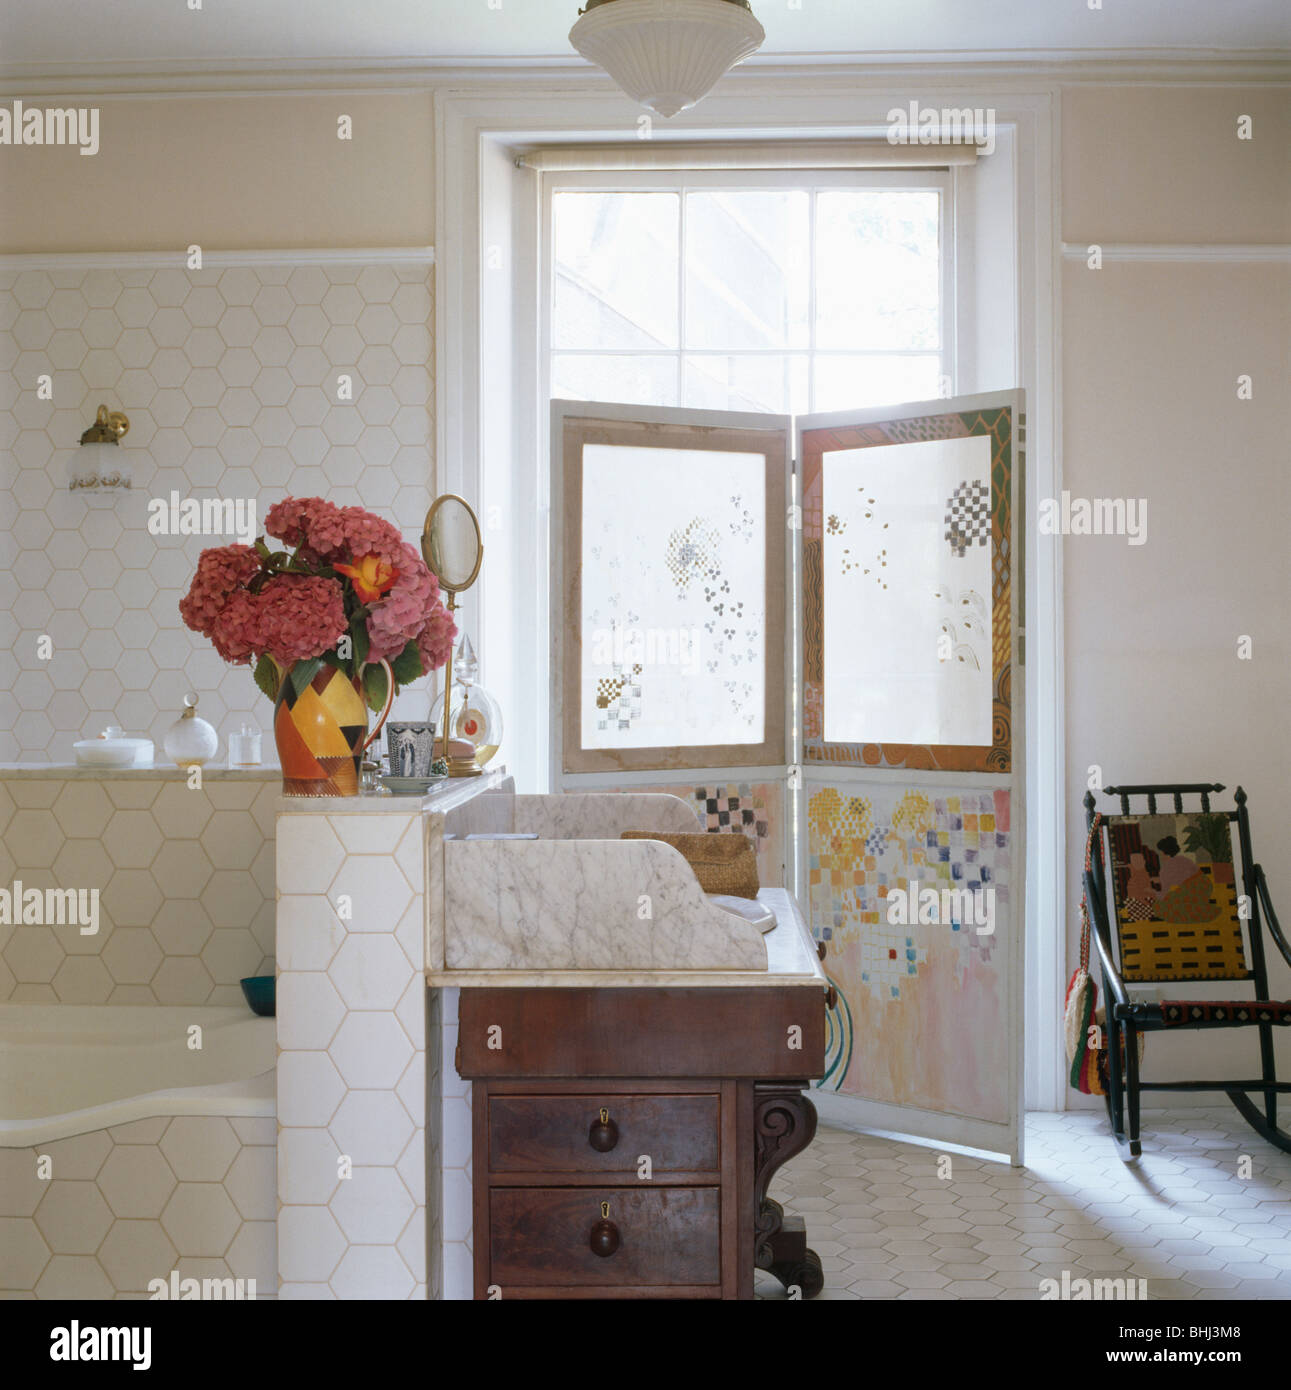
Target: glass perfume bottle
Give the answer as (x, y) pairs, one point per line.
(476, 716)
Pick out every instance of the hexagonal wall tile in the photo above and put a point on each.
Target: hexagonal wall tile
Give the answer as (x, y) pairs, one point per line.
(377, 891)
(309, 1011)
(23, 1253)
(73, 1218)
(308, 1169)
(370, 1050)
(132, 955)
(251, 1182)
(371, 1127)
(372, 1206)
(74, 1277)
(33, 837)
(200, 1219)
(310, 1244)
(308, 853)
(136, 1181)
(370, 971)
(309, 1088)
(199, 1148)
(136, 1252)
(254, 1254)
(21, 1189)
(372, 1271)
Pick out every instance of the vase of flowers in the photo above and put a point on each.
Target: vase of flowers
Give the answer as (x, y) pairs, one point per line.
(335, 624)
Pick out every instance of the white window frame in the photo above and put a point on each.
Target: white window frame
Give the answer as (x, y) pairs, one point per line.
(951, 243)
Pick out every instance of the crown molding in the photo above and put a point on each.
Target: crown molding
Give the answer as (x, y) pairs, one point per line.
(216, 260)
(223, 77)
(1190, 254)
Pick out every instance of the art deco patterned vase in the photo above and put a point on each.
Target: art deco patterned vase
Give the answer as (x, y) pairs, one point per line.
(322, 733)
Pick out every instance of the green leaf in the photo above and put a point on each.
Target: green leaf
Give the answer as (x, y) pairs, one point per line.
(303, 672)
(266, 677)
(359, 638)
(375, 686)
(407, 665)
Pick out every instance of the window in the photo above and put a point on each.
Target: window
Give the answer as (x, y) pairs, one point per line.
(784, 292)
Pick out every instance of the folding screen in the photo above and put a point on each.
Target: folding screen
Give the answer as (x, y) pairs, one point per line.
(911, 840)
(674, 570)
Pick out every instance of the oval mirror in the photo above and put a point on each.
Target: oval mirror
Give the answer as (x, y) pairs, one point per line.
(451, 542)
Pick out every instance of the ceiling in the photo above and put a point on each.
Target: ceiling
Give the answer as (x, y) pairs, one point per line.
(54, 35)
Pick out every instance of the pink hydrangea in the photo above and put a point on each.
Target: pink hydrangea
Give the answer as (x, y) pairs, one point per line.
(220, 571)
(300, 616)
(287, 520)
(325, 532)
(397, 618)
(435, 640)
(236, 632)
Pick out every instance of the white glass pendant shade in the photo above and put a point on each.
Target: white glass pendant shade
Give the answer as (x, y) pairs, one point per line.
(667, 54)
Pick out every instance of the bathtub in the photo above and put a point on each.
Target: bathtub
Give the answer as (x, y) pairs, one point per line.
(71, 1068)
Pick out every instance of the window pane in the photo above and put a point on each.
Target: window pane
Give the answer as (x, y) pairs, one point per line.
(770, 383)
(846, 383)
(878, 269)
(626, 379)
(747, 269)
(615, 267)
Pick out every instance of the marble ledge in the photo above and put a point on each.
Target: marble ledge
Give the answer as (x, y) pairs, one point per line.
(791, 960)
(160, 772)
(443, 798)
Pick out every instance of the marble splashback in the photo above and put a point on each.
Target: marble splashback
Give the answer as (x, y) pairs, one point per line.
(585, 905)
(603, 815)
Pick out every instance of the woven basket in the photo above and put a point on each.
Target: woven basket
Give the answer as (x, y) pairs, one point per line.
(722, 863)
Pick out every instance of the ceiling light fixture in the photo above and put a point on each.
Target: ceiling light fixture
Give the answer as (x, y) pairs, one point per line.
(667, 54)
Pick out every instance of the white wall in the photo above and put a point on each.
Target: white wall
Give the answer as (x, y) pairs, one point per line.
(1152, 351)
(229, 380)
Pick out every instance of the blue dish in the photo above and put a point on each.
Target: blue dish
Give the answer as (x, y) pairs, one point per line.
(260, 995)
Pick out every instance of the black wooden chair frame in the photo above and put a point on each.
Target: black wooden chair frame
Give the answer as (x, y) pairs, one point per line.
(1127, 1017)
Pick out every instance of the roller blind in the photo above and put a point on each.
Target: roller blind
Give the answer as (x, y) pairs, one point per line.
(822, 154)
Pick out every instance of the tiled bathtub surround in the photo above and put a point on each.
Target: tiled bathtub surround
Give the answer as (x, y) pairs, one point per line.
(123, 1206)
(351, 1051)
(231, 381)
(185, 878)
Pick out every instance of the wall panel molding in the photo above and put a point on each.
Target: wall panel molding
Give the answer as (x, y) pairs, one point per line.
(217, 260)
(1181, 253)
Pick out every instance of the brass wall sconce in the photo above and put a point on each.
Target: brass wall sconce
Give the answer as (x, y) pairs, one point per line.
(98, 470)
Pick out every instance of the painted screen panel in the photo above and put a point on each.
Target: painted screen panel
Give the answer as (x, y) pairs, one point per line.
(745, 807)
(674, 587)
(907, 576)
(888, 673)
(910, 888)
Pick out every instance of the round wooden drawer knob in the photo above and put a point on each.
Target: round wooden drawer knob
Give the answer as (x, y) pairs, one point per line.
(604, 1133)
(604, 1239)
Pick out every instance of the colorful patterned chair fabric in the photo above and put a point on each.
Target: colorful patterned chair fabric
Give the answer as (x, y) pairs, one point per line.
(1178, 894)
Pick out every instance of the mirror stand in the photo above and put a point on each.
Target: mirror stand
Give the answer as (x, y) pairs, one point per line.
(458, 764)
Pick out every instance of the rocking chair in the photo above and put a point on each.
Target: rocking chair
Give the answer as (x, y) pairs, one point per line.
(1168, 881)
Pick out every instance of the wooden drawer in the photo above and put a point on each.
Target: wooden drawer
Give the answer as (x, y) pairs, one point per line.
(552, 1134)
(541, 1237)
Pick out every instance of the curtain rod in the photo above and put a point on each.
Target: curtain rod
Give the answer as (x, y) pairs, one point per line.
(824, 154)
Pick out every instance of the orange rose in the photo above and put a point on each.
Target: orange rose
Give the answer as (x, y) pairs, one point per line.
(371, 576)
